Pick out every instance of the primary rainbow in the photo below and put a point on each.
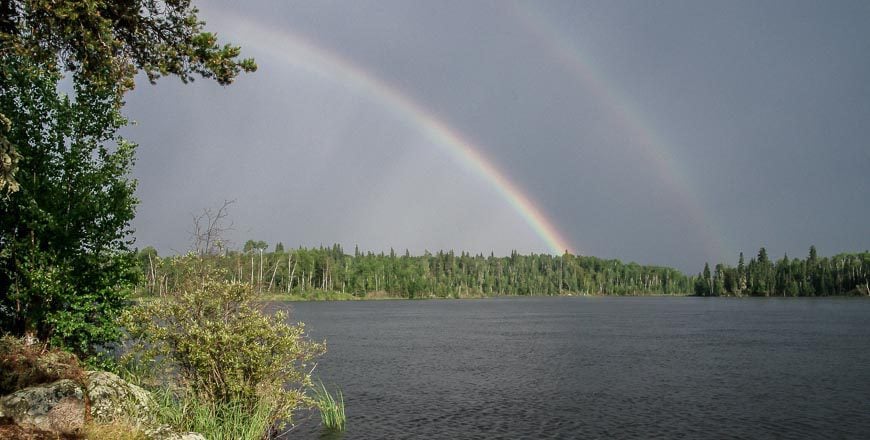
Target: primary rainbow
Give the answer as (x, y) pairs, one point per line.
(629, 116)
(298, 51)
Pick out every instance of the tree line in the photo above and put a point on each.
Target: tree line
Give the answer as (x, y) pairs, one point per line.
(842, 274)
(441, 274)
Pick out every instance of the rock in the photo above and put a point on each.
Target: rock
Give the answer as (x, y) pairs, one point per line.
(112, 397)
(67, 417)
(164, 432)
(59, 407)
(31, 406)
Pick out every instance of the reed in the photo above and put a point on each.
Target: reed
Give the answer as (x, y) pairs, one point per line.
(332, 414)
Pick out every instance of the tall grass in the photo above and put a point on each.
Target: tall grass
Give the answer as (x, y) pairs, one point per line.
(215, 421)
(331, 411)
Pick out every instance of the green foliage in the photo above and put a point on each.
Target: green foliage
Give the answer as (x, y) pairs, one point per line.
(328, 273)
(252, 245)
(332, 414)
(223, 348)
(108, 42)
(65, 198)
(9, 158)
(233, 420)
(65, 263)
(103, 45)
(844, 274)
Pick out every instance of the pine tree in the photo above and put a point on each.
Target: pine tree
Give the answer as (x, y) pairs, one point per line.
(708, 281)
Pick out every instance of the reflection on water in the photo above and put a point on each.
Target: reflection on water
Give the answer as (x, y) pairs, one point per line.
(595, 367)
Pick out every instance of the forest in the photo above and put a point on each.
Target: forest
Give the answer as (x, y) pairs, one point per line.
(446, 274)
(842, 274)
(432, 275)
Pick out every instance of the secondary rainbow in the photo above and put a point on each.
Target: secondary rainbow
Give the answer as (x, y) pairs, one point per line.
(299, 51)
(629, 116)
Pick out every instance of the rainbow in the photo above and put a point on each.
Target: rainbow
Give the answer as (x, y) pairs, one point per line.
(628, 115)
(296, 50)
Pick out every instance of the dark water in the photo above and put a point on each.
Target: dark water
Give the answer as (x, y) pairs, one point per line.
(596, 367)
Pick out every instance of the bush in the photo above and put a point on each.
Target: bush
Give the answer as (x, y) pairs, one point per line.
(221, 349)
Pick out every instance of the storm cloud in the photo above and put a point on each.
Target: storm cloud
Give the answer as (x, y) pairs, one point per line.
(667, 133)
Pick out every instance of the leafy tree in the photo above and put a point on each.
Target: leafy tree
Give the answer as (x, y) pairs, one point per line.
(250, 245)
(104, 44)
(65, 196)
(64, 246)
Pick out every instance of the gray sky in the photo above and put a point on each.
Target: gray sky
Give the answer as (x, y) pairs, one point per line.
(658, 132)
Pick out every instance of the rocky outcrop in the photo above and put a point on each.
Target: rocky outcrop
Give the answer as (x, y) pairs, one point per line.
(46, 407)
(60, 406)
(112, 397)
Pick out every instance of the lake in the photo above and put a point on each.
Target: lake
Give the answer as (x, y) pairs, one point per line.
(595, 367)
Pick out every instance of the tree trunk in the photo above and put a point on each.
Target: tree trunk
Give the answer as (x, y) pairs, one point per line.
(277, 263)
(290, 281)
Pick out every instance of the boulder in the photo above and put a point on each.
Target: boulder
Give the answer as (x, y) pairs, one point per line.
(59, 407)
(112, 397)
(35, 407)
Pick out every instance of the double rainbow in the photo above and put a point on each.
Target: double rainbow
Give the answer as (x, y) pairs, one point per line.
(628, 114)
(298, 51)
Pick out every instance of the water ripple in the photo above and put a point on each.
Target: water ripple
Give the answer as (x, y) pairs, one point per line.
(633, 368)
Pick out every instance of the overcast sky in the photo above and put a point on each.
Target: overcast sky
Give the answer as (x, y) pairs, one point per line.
(666, 132)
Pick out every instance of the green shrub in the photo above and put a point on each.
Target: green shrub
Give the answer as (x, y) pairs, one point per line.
(221, 348)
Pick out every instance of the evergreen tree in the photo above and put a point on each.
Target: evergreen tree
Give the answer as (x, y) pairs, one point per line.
(719, 280)
(844, 274)
(708, 281)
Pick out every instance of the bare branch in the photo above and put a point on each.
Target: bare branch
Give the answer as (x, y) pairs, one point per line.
(208, 236)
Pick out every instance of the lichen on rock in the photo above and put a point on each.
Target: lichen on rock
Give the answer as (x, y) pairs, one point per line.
(59, 407)
(31, 406)
(112, 397)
